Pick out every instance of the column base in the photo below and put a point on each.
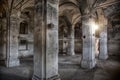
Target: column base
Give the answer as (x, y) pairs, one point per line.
(88, 64)
(52, 78)
(13, 63)
(103, 57)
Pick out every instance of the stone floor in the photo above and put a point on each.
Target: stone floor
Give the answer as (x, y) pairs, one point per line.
(69, 69)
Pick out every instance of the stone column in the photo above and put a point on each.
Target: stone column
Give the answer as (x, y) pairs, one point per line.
(70, 49)
(103, 44)
(12, 41)
(64, 45)
(46, 40)
(88, 48)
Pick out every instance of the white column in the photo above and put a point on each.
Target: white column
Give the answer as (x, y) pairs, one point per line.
(103, 44)
(88, 48)
(70, 49)
(46, 40)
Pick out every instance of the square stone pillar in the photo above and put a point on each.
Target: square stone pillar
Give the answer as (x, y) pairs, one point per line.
(70, 49)
(12, 42)
(46, 40)
(103, 44)
(88, 46)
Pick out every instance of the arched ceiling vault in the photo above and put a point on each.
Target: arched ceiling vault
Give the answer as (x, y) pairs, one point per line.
(62, 22)
(112, 12)
(69, 8)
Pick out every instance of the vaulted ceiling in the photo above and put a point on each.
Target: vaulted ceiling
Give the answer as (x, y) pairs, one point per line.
(70, 11)
(73, 10)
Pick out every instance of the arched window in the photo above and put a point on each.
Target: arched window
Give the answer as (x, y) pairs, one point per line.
(23, 28)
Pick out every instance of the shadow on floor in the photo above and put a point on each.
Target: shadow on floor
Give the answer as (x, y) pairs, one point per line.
(12, 77)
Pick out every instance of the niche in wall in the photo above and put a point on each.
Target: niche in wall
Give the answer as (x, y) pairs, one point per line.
(23, 45)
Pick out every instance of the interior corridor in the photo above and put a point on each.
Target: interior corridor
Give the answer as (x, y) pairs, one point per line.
(59, 39)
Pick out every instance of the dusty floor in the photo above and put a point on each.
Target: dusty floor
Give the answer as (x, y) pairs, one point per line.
(69, 69)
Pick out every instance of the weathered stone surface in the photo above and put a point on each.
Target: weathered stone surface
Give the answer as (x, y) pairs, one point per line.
(70, 49)
(88, 55)
(46, 41)
(103, 44)
(12, 46)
